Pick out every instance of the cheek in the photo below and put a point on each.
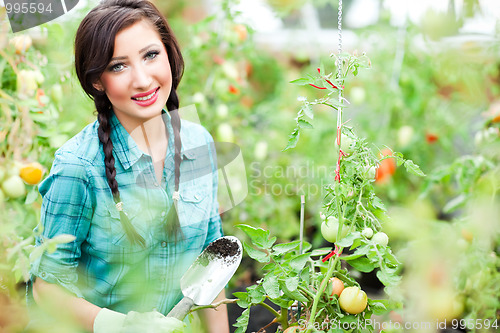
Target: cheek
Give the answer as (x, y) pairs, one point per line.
(115, 87)
(165, 73)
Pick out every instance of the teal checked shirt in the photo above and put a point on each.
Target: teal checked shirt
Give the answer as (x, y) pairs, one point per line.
(101, 265)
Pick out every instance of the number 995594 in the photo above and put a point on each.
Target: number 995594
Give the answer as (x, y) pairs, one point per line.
(28, 7)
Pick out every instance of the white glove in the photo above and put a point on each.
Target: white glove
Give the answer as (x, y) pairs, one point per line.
(108, 321)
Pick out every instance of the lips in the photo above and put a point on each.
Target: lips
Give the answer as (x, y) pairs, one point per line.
(147, 98)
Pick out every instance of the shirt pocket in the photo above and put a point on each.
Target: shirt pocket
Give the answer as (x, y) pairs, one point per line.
(194, 205)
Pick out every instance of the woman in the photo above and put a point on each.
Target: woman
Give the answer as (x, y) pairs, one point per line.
(128, 187)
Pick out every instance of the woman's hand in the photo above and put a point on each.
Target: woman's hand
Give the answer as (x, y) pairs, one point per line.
(153, 322)
(108, 321)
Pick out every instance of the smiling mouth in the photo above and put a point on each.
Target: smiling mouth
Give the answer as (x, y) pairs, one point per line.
(147, 97)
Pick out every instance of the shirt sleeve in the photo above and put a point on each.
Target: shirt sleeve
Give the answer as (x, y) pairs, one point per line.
(214, 223)
(67, 208)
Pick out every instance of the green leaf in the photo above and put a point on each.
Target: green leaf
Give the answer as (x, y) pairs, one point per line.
(293, 139)
(292, 283)
(269, 267)
(63, 238)
(32, 196)
(283, 303)
(454, 203)
(242, 322)
(298, 262)
(295, 295)
(304, 124)
(349, 239)
(256, 294)
(258, 236)
(321, 252)
(378, 308)
(349, 319)
(308, 110)
(279, 249)
(243, 299)
(387, 278)
(256, 254)
(301, 82)
(391, 258)
(271, 286)
(399, 158)
(413, 168)
(362, 264)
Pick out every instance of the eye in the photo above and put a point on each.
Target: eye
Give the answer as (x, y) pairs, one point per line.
(116, 67)
(151, 55)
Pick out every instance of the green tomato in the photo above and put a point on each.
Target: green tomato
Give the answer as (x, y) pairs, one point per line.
(367, 232)
(358, 95)
(329, 229)
(346, 144)
(353, 300)
(381, 239)
(369, 172)
(225, 133)
(14, 187)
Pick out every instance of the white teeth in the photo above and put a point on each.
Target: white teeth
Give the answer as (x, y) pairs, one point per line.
(145, 98)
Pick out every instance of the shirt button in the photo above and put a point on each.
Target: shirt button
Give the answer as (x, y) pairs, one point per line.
(43, 275)
(163, 214)
(163, 244)
(196, 196)
(155, 184)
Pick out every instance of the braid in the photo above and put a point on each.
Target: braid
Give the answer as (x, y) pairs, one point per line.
(174, 226)
(104, 131)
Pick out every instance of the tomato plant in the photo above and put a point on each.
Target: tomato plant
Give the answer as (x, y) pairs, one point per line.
(305, 275)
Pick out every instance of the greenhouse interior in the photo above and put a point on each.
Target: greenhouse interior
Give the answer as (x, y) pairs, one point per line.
(322, 166)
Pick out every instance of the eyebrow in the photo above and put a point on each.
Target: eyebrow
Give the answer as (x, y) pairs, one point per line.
(140, 51)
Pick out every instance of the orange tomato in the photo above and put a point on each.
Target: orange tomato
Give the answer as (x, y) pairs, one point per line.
(241, 31)
(31, 173)
(386, 168)
(293, 329)
(335, 287)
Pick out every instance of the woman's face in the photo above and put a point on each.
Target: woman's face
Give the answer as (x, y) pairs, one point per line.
(138, 78)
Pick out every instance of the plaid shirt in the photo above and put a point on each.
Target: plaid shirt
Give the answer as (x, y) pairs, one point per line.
(101, 265)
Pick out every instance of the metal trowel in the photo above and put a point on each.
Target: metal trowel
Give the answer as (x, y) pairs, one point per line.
(208, 275)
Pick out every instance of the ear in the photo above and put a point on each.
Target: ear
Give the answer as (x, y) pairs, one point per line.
(98, 85)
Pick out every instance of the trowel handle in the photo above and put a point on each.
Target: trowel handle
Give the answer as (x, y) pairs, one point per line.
(181, 309)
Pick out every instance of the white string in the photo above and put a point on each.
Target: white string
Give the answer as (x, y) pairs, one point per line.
(339, 66)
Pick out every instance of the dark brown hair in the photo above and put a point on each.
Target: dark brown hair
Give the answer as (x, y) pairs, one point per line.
(94, 47)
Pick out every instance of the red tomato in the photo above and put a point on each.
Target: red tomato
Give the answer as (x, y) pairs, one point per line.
(431, 137)
(233, 90)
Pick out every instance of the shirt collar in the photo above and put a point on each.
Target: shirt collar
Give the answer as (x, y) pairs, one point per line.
(125, 148)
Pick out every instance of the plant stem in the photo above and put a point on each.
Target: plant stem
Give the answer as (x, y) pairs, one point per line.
(306, 292)
(270, 309)
(283, 318)
(329, 274)
(215, 305)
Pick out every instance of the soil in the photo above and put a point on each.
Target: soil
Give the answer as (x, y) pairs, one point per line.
(223, 248)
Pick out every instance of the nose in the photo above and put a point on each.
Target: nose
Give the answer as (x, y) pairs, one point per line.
(141, 78)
